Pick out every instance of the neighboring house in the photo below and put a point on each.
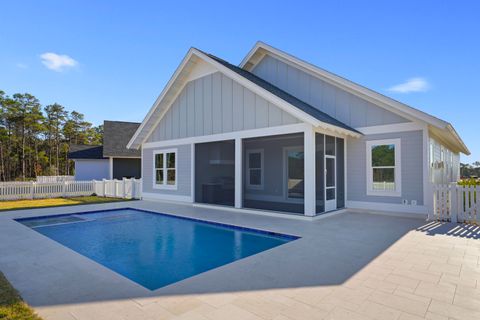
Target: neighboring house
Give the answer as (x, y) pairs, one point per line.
(112, 160)
(277, 133)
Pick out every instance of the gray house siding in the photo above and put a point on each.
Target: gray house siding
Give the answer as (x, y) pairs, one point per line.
(217, 104)
(274, 167)
(444, 163)
(411, 161)
(336, 102)
(184, 169)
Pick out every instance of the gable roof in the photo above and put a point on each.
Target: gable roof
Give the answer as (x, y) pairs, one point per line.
(294, 101)
(441, 129)
(269, 92)
(116, 135)
(81, 151)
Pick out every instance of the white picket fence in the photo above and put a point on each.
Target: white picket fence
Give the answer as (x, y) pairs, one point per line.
(456, 203)
(50, 179)
(126, 188)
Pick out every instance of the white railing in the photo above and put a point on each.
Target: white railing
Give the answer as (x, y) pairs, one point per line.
(456, 203)
(50, 179)
(126, 188)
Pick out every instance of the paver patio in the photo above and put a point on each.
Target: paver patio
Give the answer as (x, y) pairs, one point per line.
(349, 266)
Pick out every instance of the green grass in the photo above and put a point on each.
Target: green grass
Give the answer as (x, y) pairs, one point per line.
(54, 202)
(12, 307)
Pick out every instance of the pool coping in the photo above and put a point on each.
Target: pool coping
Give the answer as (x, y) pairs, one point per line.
(220, 224)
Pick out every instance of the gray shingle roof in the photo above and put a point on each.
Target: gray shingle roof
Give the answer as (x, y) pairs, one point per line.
(116, 135)
(305, 107)
(80, 151)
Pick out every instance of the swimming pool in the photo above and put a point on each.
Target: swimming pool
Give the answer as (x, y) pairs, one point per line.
(154, 249)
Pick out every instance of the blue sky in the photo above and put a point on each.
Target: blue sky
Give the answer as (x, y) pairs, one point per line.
(110, 60)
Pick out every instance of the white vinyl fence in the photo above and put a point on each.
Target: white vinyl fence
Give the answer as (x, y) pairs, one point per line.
(49, 179)
(456, 203)
(126, 188)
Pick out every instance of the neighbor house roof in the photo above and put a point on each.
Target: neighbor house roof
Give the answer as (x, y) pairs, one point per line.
(440, 128)
(80, 151)
(116, 135)
(269, 92)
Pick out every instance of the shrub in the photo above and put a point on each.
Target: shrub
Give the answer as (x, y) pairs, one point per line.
(469, 182)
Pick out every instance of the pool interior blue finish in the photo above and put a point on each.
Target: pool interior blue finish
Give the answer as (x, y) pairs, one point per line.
(153, 249)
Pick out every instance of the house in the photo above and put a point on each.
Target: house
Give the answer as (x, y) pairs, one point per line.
(112, 160)
(278, 133)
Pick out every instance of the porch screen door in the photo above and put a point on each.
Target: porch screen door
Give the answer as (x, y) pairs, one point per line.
(330, 174)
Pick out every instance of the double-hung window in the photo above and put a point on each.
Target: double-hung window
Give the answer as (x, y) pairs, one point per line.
(255, 169)
(384, 168)
(165, 169)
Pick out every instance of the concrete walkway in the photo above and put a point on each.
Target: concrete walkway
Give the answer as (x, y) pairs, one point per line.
(349, 266)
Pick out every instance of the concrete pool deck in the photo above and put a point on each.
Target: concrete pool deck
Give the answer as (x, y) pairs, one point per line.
(348, 266)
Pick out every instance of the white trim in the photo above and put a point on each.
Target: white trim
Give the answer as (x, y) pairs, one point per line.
(270, 131)
(269, 213)
(333, 202)
(347, 85)
(248, 185)
(192, 171)
(345, 173)
(200, 70)
(142, 172)
(427, 173)
(167, 197)
(279, 102)
(274, 99)
(110, 167)
(309, 177)
(398, 168)
(353, 88)
(238, 173)
(390, 128)
(162, 95)
(165, 186)
(385, 207)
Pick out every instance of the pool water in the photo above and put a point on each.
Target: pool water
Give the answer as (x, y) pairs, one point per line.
(153, 249)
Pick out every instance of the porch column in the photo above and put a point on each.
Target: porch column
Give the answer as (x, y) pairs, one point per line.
(110, 168)
(309, 174)
(238, 172)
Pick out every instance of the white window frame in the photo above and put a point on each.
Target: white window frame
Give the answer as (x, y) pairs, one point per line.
(398, 168)
(262, 169)
(165, 186)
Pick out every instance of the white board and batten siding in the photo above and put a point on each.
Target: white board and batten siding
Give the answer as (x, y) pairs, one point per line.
(340, 104)
(444, 163)
(209, 105)
(216, 104)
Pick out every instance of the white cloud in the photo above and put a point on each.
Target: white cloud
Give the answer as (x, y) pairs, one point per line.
(57, 62)
(411, 85)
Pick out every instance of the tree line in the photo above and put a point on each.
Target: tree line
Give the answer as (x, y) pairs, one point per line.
(35, 139)
(470, 170)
